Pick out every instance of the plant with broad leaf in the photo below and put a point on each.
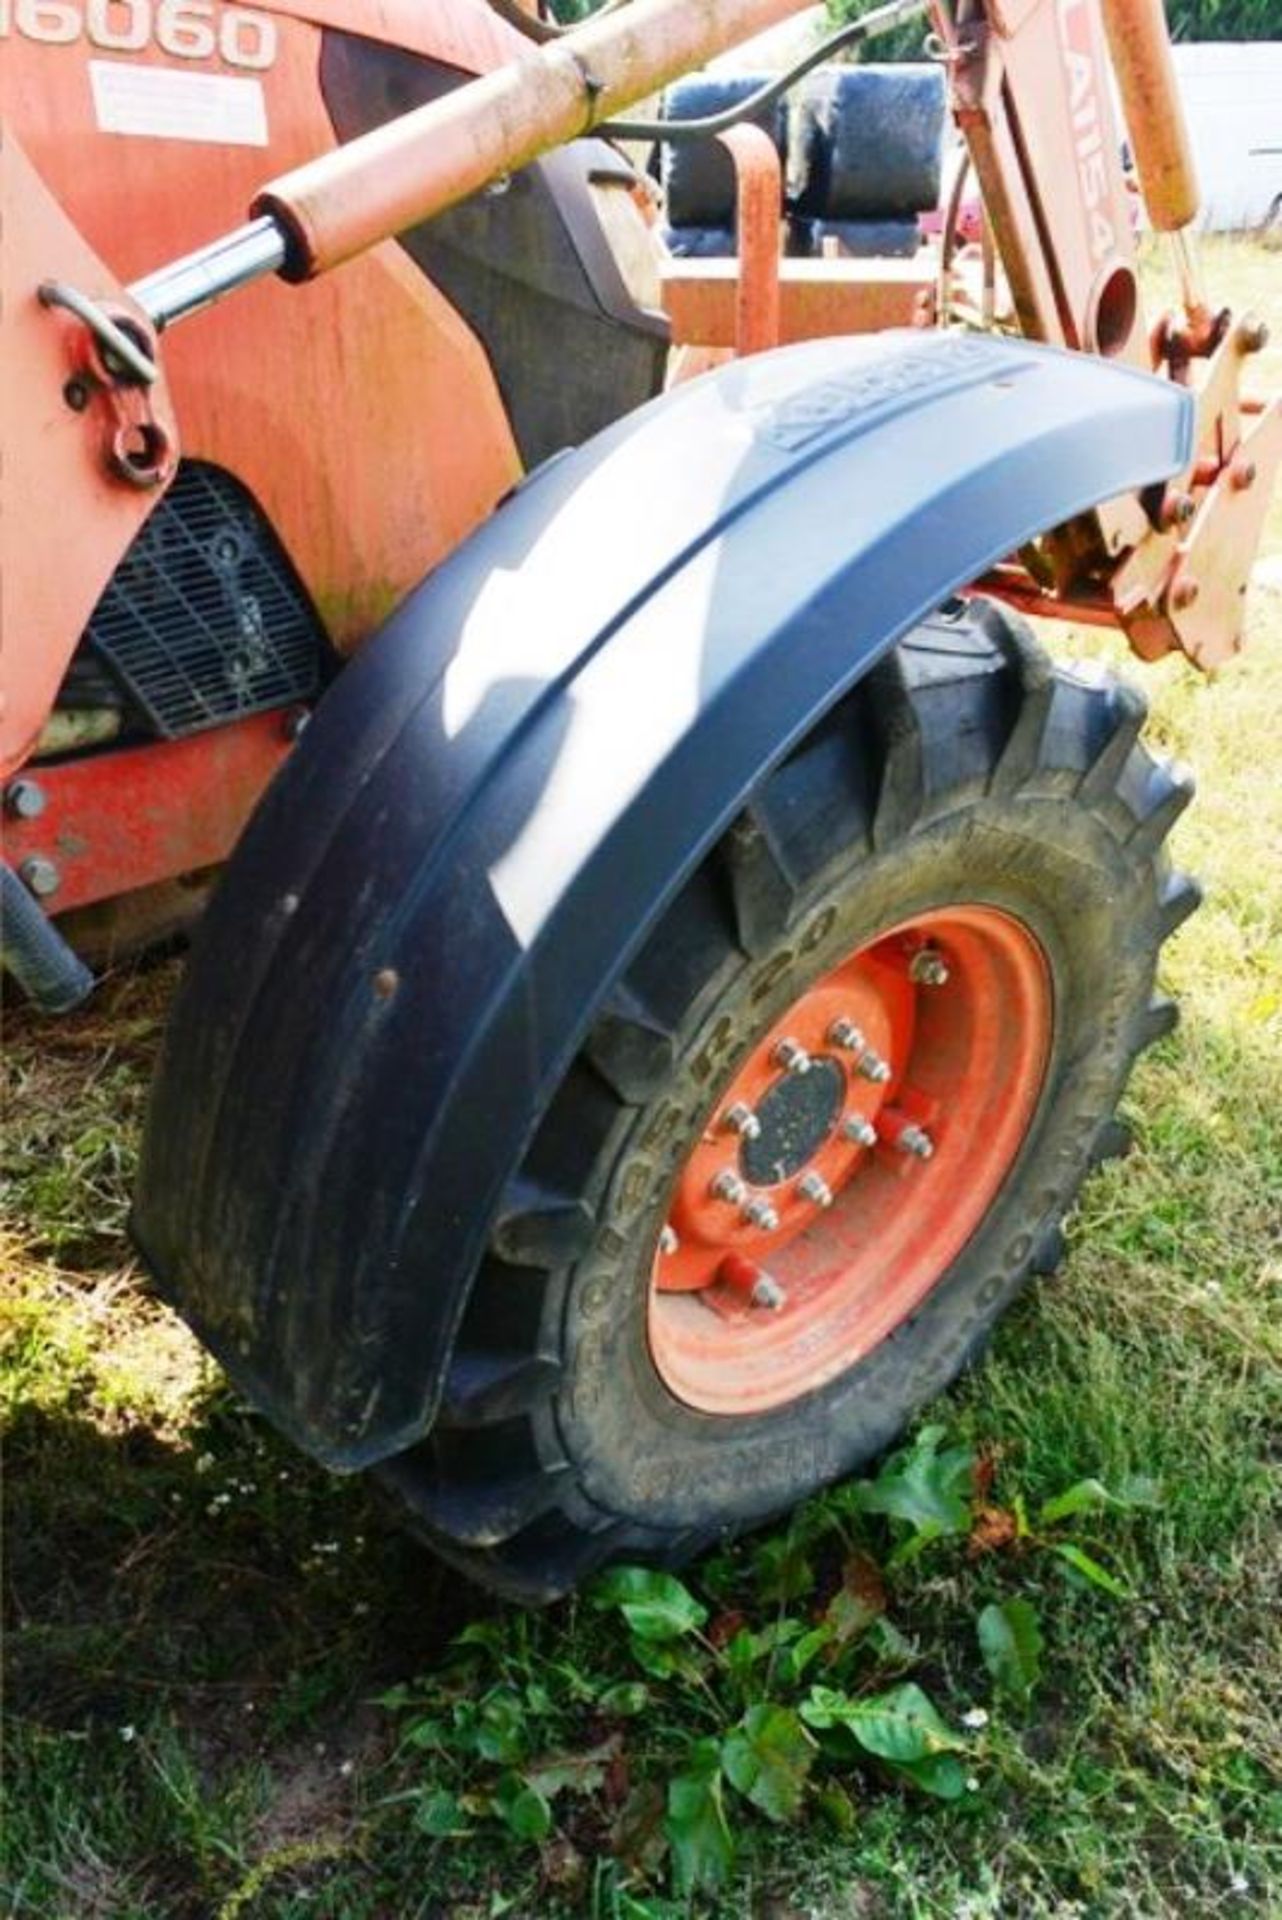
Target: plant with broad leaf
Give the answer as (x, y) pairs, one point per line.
(773, 1694)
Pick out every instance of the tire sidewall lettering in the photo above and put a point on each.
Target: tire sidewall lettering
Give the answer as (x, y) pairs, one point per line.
(764, 1465)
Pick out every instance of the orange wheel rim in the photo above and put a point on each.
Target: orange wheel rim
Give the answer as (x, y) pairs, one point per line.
(849, 1160)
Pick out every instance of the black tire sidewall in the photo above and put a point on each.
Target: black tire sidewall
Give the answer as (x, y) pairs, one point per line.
(637, 1450)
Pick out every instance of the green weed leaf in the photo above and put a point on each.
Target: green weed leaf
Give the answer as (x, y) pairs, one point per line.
(767, 1758)
(581, 1773)
(440, 1815)
(741, 1654)
(1010, 1640)
(1089, 1496)
(498, 1730)
(427, 1733)
(892, 1647)
(901, 1726)
(1091, 1570)
(626, 1906)
(940, 1774)
(655, 1605)
(696, 1824)
(667, 1659)
(483, 1634)
(837, 1807)
(522, 1808)
(929, 1491)
(625, 1700)
(794, 1660)
(783, 1571)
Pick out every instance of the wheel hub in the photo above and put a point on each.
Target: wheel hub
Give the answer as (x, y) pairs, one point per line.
(854, 1151)
(795, 1117)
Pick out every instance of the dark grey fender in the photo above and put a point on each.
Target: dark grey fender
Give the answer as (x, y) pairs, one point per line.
(496, 800)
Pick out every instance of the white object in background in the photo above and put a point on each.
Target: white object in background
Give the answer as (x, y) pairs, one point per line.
(778, 47)
(1232, 95)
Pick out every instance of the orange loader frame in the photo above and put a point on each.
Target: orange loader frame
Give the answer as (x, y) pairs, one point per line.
(102, 386)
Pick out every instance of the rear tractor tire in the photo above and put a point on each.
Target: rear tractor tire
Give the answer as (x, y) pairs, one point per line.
(827, 1125)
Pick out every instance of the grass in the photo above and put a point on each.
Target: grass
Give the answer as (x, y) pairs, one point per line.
(232, 1688)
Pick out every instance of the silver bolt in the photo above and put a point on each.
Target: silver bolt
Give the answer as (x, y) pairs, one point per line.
(668, 1241)
(845, 1034)
(855, 1127)
(760, 1213)
(913, 1140)
(742, 1120)
(928, 968)
(24, 799)
(41, 876)
(792, 1057)
(728, 1186)
(812, 1186)
(767, 1293)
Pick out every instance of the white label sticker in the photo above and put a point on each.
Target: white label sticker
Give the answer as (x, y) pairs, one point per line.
(162, 103)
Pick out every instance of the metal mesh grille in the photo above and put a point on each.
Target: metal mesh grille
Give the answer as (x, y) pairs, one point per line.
(204, 619)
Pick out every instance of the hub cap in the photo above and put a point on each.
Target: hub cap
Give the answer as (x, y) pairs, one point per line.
(850, 1159)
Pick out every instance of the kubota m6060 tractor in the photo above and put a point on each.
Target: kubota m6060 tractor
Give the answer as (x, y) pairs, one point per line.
(665, 1000)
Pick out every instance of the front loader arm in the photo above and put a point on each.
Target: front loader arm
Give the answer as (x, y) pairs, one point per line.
(418, 165)
(1030, 93)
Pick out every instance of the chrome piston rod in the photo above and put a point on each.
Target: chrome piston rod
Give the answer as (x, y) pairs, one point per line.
(249, 253)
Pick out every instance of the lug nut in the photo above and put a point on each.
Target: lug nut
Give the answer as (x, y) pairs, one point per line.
(760, 1213)
(728, 1186)
(791, 1057)
(845, 1034)
(746, 1277)
(928, 968)
(742, 1120)
(913, 1140)
(855, 1127)
(812, 1186)
(668, 1241)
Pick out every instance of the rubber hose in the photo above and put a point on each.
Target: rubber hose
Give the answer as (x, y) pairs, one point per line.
(35, 953)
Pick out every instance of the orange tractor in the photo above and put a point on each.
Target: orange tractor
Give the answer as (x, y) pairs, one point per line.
(678, 940)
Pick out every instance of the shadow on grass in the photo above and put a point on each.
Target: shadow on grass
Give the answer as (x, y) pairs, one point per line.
(195, 1630)
(219, 1571)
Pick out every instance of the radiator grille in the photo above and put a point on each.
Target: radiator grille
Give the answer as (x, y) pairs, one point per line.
(204, 620)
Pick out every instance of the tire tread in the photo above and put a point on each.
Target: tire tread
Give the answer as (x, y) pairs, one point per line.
(490, 1488)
